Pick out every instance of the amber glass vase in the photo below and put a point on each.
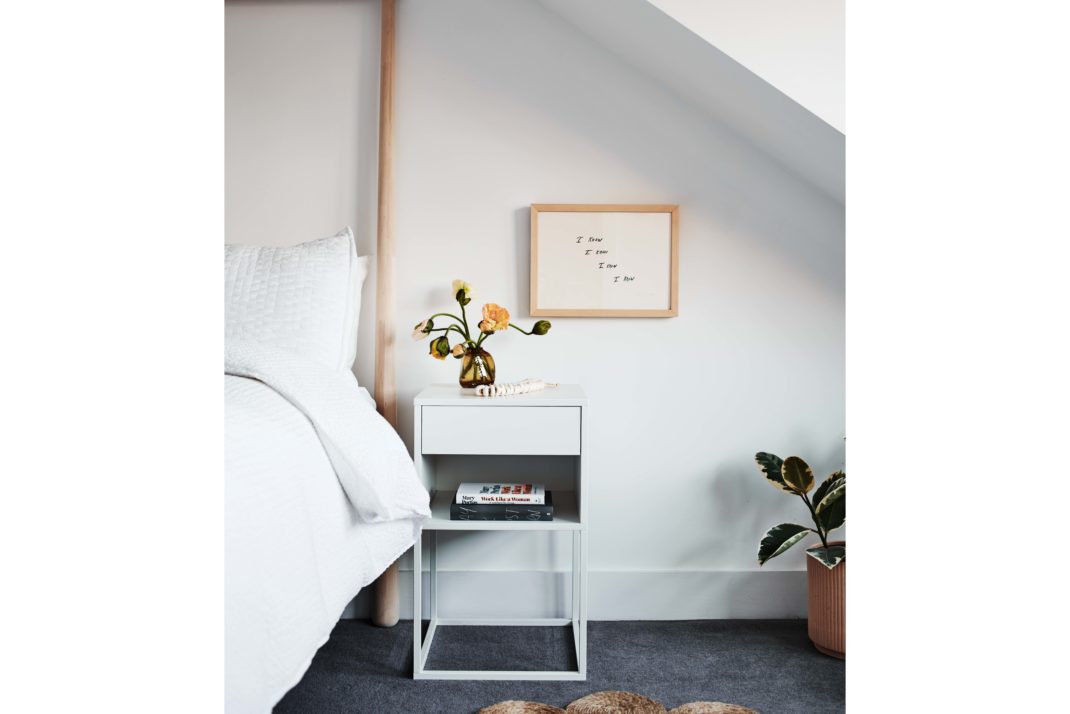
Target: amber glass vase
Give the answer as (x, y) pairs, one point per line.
(477, 367)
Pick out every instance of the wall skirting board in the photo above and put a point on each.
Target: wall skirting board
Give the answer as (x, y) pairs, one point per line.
(651, 595)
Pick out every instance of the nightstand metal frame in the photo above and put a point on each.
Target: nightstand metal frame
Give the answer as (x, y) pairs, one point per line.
(452, 422)
(421, 644)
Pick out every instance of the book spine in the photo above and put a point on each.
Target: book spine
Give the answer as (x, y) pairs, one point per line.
(500, 512)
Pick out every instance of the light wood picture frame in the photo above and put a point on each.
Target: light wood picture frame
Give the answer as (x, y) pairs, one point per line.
(605, 260)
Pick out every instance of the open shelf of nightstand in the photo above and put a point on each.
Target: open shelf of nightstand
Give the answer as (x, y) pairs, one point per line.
(566, 516)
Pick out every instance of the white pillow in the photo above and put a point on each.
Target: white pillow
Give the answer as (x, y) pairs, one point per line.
(304, 298)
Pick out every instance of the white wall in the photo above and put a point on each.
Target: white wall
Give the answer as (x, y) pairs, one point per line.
(302, 82)
(795, 45)
(505, 104)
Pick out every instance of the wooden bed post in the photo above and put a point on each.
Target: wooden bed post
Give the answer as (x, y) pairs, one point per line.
(387, 593)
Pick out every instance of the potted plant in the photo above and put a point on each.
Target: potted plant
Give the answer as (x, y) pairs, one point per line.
(478, 365)
(826, 566)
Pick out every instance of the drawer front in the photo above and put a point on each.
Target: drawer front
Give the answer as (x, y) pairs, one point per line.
(501, 430)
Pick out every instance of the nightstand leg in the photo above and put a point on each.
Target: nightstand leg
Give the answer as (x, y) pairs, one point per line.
(582, 535)
(433, 580)
(417, 606)
(577, 634)
(576, 578)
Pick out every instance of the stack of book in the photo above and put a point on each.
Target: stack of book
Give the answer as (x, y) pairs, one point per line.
(502, 502)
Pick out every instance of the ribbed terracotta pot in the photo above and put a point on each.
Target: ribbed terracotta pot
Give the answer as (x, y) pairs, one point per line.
(827, 606)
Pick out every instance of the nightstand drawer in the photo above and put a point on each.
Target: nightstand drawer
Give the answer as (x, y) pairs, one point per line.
(501, 430)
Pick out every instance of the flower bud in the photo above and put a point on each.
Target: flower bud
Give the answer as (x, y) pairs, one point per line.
(440, 347)
(422, 328)
(463, 292)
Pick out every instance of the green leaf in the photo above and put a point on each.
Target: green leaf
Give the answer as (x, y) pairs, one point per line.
(835, 491)
(770, 465)
(797, 475)
(778, 539)
(832, 511)
(826, 485)
(829, 557)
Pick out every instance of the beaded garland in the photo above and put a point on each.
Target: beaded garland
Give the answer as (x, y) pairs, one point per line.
(504, 390)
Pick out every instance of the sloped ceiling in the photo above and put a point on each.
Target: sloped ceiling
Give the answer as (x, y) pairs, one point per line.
(656, 44)
(795, 45)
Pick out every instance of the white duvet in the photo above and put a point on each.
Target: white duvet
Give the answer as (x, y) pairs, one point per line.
(320, 497)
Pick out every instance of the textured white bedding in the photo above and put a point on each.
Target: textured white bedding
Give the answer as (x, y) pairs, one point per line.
(368, 456)
(305, 298)
(296, 549)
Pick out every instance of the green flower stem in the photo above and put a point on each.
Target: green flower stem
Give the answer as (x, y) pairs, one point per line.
(460, 321)
(485, 335)
(464, 321)
(447, 314)
(455, 328)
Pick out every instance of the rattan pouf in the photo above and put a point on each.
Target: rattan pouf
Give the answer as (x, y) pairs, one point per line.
(615, 703)
(517, 707)
(711, 708)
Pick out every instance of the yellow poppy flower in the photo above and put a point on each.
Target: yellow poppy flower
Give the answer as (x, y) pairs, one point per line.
(495, 318)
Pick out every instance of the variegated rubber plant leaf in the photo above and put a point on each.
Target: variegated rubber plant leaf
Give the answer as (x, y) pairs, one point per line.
(778, 539)
(836, 490)
(827, 484)
(829, 557)
(797, 474)
(771, 465)
(832, 512)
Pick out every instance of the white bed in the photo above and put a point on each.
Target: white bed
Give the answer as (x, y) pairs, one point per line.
(296, 553)
(320, 493)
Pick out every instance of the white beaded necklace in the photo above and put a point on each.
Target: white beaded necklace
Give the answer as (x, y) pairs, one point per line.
(504, 390)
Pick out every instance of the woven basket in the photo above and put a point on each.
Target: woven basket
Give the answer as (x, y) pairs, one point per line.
(711, 708)
(517, 707)
(615, 703)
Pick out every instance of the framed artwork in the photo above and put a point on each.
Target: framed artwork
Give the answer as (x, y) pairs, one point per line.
(604, 260)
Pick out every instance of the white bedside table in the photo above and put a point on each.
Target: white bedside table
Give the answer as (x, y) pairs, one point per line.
(456, 434)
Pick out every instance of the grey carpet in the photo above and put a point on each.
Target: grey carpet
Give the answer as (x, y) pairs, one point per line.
(768, 665)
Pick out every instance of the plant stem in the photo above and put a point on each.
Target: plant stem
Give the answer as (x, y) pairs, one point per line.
(464, 320)
(460, 322)
(455, 328)
(521, 331)
(813, 515)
